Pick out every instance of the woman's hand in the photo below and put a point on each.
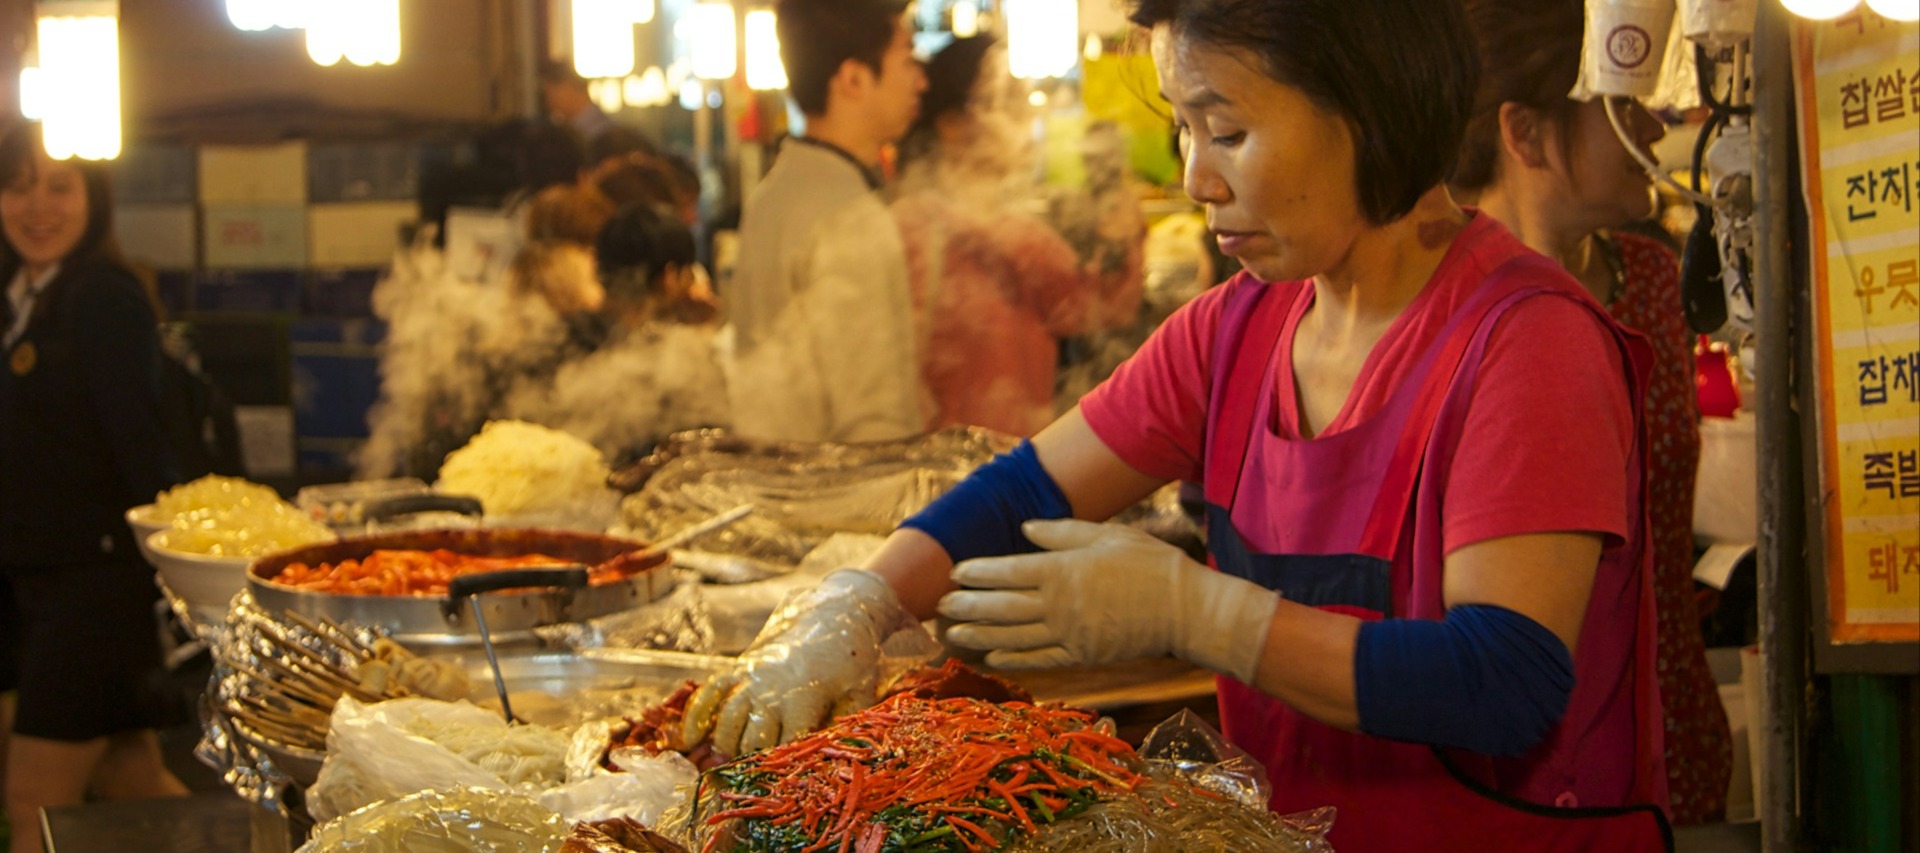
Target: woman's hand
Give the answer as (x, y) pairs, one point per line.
(817, 658)
(1104, 593)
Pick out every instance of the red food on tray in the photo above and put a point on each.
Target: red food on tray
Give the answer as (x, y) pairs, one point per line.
(401, 572)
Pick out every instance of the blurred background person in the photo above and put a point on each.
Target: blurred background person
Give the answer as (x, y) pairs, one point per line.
(656, 372)
(82, 441)
(996, 289)
(564, 93)
(824, 343)
(1555, 173)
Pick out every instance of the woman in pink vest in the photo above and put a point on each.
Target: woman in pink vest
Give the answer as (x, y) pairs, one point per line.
(1420, 446)
(1554, 172)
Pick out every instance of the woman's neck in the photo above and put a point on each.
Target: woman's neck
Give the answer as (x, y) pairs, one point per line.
(1388, 266)
(1537, 224)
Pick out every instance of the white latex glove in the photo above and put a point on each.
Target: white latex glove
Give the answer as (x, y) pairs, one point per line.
(817, 658)
(1103, 593)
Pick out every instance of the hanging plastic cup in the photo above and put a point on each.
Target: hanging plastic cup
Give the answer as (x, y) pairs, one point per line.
(1625, 48)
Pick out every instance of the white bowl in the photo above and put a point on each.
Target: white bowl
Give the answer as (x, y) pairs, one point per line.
(198, 579)
(145, 521)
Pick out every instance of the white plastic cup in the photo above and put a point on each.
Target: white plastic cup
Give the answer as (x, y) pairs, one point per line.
(1625, 47)
(1718, 23)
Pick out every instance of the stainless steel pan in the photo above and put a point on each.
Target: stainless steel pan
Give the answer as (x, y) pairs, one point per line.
(510, 616)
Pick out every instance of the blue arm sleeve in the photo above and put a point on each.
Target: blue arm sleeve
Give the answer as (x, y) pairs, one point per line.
(981, 516)
(1485, 679)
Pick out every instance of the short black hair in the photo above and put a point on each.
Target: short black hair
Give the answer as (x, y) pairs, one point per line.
(1401, 72)
(951, 75)
(639, 243)
(818, 36)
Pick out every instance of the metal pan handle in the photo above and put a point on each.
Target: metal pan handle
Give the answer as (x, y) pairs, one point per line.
(566, 577)
(394, 507)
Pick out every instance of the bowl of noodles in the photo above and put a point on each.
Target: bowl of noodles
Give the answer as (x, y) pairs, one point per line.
(202, 535)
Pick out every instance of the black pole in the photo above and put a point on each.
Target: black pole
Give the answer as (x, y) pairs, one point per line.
(1783, 561)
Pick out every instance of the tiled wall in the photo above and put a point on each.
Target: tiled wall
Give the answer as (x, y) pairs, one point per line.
(271, 253)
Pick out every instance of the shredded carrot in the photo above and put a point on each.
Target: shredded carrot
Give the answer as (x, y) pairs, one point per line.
(950, 774)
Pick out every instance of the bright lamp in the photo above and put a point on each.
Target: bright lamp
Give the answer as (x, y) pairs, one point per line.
(1820, 10)
(765, 71)
(79, 78)
(715, 47)
(363, 32)
(1043, 37)
(603, 35)
(1898, 10)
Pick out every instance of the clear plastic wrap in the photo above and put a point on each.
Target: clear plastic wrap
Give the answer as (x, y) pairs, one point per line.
(1200, 793)
(802, 492)
(460, 820)
(681, 621)
(380, 752)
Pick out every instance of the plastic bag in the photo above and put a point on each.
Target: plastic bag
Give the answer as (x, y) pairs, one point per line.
(374, 753)
(1201, 793)
(462, 820)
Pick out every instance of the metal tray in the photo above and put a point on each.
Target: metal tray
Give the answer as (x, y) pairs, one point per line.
(511, 616)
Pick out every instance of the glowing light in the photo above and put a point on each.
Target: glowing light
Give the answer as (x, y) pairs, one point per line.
(79, 79)
(1896, 10)
(1095, 48)
(1043, 37)
(765, 71)
(363, 32)
(606, 94)
(692, 94)
(1820, 10)
(259, 15)
(603, 35)
(966, 20)
(715, 46)
(30, 84)
(649, 89)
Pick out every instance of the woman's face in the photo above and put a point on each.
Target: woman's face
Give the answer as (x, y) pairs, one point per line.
(1606, 185)
(1274, 170)
(44, 210)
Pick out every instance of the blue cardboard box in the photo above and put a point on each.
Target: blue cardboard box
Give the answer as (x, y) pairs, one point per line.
(340, 293)
(258, 292)
(336, 376)
(362, 171)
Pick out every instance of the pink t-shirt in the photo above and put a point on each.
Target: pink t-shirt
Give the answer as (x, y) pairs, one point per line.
(1548, 432)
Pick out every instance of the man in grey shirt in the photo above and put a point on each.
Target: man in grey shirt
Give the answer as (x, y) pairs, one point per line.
(825, 347)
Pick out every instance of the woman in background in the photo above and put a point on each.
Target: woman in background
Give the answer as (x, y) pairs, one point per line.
(81, 441)
(655, 372)
(1555, 173)
(997, 289)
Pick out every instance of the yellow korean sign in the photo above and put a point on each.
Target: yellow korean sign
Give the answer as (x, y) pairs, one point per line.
(1858, 83)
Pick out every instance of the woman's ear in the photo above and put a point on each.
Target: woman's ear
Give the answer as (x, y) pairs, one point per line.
(1523, 135)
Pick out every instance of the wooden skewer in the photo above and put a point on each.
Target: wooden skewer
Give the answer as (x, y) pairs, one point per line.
(281, 687)
(294, 716)
(289, 735)
(323, 673)
(320, 682)
(304, 714)
(327, 629)
(312, 660)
